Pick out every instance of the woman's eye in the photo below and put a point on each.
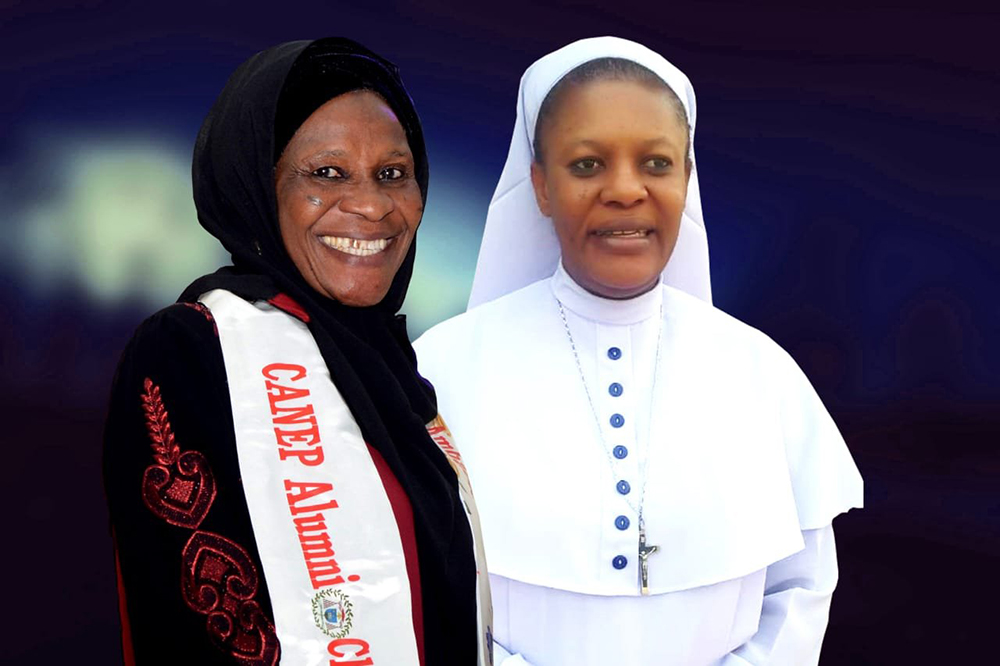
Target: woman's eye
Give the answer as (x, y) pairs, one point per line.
(328, 172)
(391, 173)
(587, 165)
(658, 163)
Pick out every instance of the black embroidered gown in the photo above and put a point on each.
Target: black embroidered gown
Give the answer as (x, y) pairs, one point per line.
(184, 544)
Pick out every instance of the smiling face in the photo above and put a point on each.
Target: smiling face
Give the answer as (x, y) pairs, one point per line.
(348, 200)
(614, 181)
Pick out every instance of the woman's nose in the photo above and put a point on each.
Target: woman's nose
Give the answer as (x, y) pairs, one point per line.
(623, 187)
(368, 200)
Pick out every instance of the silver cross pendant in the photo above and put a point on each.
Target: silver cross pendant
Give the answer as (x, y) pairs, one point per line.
(644, 553)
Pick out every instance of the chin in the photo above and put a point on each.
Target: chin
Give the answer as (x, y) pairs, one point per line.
(356, 288)
(362, 300)
(359, 297)
(617, 288)
(626, 282)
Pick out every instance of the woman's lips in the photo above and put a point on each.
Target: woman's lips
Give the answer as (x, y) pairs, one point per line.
(357, 246)
(622, 233)
(624, 238)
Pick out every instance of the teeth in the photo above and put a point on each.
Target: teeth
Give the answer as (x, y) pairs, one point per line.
(630, 232)
(359, 248)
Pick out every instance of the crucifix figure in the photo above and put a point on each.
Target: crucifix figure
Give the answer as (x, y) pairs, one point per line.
(644, 553)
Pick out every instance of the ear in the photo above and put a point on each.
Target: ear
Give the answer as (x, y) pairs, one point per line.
(541, 189)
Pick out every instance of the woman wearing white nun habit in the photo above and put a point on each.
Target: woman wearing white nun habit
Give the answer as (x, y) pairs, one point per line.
(656, 480)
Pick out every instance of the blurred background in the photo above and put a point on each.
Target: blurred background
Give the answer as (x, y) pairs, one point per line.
(848, 162)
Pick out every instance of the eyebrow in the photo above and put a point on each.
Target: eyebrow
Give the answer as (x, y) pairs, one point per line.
(330, 153)
(395, 152)
(590, 143)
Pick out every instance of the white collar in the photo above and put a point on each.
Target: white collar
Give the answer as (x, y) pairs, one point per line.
(602, 310)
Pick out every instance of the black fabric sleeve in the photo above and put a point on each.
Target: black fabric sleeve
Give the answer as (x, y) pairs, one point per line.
(191, 579)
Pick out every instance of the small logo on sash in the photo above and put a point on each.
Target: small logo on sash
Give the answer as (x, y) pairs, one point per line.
(332, 612)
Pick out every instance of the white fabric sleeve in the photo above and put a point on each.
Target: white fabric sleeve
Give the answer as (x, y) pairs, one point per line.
(797, 593)
(503, 658)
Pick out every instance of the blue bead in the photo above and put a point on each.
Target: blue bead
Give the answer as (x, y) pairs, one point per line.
(614, 353)
(619, 562)
(622, 522)
(615, 389)
(623, 487)
(620, 452)
(617, 420)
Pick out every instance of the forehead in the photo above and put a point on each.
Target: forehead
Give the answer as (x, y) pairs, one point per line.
(356, 117)
(615, 108)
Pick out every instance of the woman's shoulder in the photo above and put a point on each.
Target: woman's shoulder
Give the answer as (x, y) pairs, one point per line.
(492, 317)
(178, 324)
(691, 315)
(824, 478)
(177, 348)
(730, 345)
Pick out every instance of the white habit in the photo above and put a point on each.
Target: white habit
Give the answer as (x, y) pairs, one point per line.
(745, 472)
(737, 466)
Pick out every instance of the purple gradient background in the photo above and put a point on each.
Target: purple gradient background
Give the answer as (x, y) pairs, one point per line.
(848, 160)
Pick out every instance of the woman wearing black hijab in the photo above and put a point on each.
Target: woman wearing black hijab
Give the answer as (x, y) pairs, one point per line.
(279, 483)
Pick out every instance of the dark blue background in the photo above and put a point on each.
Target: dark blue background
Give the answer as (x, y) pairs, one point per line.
(847, 157)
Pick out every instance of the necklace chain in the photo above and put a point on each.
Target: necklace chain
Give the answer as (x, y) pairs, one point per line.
(597, 419)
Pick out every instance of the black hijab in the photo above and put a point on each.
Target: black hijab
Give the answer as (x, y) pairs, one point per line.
(366, 349)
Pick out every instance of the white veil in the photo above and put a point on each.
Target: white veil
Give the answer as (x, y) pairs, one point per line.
(519, 243)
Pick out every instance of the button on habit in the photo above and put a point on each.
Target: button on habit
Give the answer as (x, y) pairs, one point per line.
(617, 420)
(619, 562)
(614, 353)
(620, 452)
(623, 487)
(615, 389)
(622, 522)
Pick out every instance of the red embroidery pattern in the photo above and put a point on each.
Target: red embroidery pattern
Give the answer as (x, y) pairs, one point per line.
(180, 488)
(202, 308)
(219, 580)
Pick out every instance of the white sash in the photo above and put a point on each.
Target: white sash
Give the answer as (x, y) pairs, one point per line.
(439, 432)
(328, 539)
